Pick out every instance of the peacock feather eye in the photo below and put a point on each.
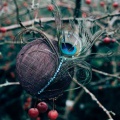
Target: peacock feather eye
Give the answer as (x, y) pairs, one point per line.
(68, 49)
(71, 45)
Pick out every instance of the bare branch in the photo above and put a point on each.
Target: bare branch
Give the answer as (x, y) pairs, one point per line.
(106, 16)
(96, 100)
(9, 83)
(106, 74)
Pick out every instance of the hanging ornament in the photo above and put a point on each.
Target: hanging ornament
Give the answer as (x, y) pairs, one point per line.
(46, 67)
(38, 68)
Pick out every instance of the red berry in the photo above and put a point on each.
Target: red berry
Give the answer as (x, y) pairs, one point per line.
(7, 66)
(42, 107)
(88, 1)
(5, 4)
(29, 99)
(107, 40)
(94, 5)
(102, 3)
(84, 15)
(33, 112)
(12, 74)
(12, 37)
(53, 115)
(26, 106)
(3, 30)
(50, 7)
(25, 4)
(115, 5)
(12, 46)
(8, 21)
(1, 56)
(38, 118)
(113, 40)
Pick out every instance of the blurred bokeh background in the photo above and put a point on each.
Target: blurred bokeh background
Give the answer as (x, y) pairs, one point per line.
(72, 105)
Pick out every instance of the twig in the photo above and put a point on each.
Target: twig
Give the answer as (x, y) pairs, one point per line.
(17, 14)
(9, 83)
(78, 97)
(106, 74)
(101, 81)
(96, 100)
(77, 12)
(106, 16)
(30, 22)
(70, 96)
(101, 87)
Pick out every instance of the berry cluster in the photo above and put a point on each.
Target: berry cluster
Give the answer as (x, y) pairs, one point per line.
(108, 40)
(42, 107)
(3, 30)
(50, 7)
(27, 103)
(102, 3)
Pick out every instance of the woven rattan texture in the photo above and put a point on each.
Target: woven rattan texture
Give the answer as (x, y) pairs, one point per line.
(36, 64)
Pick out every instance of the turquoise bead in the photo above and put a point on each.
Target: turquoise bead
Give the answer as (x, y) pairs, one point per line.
(52, 79)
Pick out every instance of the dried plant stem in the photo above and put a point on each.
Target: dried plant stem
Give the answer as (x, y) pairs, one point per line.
(70, 96)
(9, 83)
(101, 87)
(96, 100)
(107, 16)
(106, 74)
(78, 97)
(28, 23)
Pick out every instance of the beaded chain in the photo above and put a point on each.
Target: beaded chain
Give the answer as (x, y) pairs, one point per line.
(52, 79)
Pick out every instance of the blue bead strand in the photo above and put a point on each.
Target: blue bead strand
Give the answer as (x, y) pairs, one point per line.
(52, 79)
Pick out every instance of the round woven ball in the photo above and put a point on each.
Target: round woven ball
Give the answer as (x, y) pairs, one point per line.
(36, 64)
